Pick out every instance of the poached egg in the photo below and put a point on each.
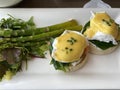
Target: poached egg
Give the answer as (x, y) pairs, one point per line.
(102, 28)
(69, 46)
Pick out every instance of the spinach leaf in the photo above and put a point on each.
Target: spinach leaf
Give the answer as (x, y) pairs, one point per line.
(102, 45)
(60, 66)
(50, 47)
(87, 25)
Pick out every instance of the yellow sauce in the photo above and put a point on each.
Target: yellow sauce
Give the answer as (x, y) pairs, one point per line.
(102, 22)
(70, 47)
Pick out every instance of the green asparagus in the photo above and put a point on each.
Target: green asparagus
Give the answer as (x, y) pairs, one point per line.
(42, 36)
(39, 37)
(20, 44)
(23, 32)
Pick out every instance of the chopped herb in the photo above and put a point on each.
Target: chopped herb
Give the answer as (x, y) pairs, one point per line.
(68, 50)
(72, 40)
(107, 22)
(71, 49)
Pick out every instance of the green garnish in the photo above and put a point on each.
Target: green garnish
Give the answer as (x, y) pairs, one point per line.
(71, 49)
(72, 40)
(15, 24)
(109, 23)
(68, 50)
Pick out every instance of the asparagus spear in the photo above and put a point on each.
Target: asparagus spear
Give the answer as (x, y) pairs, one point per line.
(20, 44)
(11, 33)
(34, 48)
(36, 42)
(39, 37)
(42, 36)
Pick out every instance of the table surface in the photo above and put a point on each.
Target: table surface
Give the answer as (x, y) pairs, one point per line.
(60, 3)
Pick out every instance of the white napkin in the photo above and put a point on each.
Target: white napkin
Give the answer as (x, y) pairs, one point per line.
(96, 4)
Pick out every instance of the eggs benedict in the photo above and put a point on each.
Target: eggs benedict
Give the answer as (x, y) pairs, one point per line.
(102, 33)
(69, 51)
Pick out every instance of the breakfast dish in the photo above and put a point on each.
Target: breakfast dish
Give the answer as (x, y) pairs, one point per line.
(102, 33)
(21, 40)
(100, 71)
(69, 51)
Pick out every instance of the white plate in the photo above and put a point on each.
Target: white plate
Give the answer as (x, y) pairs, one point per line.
(100, 71)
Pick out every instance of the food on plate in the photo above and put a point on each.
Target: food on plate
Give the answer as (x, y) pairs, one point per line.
(102, 33)
(12, 56)
(20, 33)
(69, 51)
(12, 27)
(20, 40)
